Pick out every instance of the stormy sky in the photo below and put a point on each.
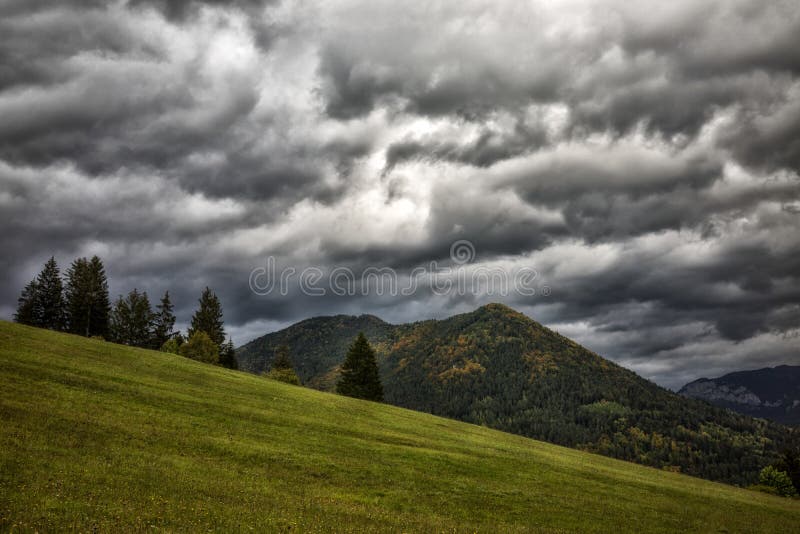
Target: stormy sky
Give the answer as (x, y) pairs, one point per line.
(641, 157)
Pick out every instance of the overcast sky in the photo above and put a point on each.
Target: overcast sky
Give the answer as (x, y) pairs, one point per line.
(642, 157)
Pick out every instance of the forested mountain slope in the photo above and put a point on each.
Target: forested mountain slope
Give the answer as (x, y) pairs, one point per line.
(497, 367)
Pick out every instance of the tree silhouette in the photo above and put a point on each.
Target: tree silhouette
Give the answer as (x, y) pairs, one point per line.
(208, 318)
(360, 376)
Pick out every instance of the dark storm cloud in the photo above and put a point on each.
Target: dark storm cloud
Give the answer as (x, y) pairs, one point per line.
(34, 48)
(359, 75)
(101, 96)
(770, 140)
(180, 9)
(488, 148)
(27, 7)
(734, 292)
(671, 73)
(713, 38)
(642, 158)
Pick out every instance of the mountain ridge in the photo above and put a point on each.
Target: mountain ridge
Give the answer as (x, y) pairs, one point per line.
(770, 392)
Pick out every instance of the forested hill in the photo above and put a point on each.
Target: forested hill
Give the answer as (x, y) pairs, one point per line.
(317, 346)
(497, 367)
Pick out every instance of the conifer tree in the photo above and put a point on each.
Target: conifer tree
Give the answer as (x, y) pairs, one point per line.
(88, 305)
(49, 297)
(26, 306)
(163, 322)
(142, 319)
(208, 318)
(227, 355)
(101, 307)
(360, 377)
(131, 321)
(119, 321)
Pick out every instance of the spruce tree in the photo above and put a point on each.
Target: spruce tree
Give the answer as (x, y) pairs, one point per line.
(26, 306)
(77, 296)
(360, 377)
(88, 305)
(49, 297)
(163, 322)
(208, 318)
(131, 321)
(142, 319)
(119, 321)
(227, 355)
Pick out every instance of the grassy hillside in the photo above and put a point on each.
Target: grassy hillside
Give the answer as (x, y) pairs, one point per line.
(99, 436)
(499, 368)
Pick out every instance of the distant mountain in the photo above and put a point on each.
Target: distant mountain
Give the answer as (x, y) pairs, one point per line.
(499, 368)
(771, 393)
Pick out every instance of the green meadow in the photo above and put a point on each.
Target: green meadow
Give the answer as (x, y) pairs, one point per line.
(102, 437)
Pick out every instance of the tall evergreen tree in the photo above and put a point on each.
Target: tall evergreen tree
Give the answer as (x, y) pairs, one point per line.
(26, 306)
(88, 304)
(227, 355)
(163, 322)
(119, 321)
(101, 307)
(49, 297)
(208, 318)
(77, 299)
(131, 321)
(360, 376)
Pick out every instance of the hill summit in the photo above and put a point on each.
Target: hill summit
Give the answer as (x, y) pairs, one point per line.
(499, 368)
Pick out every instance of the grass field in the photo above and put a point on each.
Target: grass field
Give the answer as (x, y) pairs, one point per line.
(96, 436)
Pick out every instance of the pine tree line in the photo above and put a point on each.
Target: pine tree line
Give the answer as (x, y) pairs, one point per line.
(80, 305)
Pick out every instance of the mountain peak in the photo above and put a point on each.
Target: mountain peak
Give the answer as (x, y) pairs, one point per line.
(497, 307)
